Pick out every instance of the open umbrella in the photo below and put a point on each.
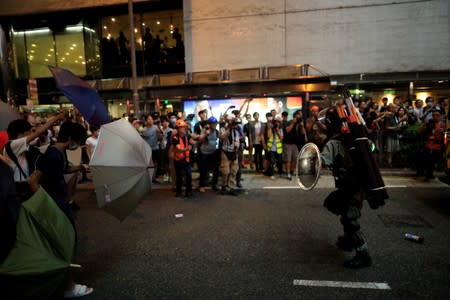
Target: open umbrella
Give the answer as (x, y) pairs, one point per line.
(37, 265)
(7, 115)
(121, 168)
(82, 95)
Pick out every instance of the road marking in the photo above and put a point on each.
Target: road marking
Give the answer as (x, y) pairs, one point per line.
(396, 186)
(280, 187)
(343, 284)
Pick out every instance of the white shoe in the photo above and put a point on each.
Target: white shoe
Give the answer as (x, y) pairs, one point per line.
(77, 291)
(272, 177)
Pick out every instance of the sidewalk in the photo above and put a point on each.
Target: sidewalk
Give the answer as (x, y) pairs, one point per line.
(393, 178)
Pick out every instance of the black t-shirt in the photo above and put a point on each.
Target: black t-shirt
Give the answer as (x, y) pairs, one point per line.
(53, 164)
(9, 210)
(293, 136)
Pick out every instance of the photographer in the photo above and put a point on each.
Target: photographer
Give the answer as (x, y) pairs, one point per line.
(294, 139)
(316, 129)
(198, 128)
(208, 154)
(274, 147)
(229, 137)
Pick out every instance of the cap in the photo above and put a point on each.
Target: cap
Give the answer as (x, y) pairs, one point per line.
(212, 120)
(203, 111)
(3, 138)
(180, 123)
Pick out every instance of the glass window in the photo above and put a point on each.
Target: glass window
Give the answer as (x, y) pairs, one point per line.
(70, 50)
(39, 53)
(92, 50)
(20, 55)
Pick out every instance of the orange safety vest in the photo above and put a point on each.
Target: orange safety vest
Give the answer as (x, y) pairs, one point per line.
(435, 139)
(183, 143)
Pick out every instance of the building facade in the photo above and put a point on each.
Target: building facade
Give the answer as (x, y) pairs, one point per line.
(376, 47)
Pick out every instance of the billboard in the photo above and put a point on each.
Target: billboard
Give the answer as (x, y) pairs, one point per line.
(217, 107)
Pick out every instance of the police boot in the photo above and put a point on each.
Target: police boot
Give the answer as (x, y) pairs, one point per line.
(344, 243)
(360, 260)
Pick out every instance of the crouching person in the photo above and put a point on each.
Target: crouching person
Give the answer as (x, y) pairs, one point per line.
(181, 147)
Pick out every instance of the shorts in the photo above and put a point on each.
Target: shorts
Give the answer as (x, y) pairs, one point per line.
(392, 145)
(290, 152)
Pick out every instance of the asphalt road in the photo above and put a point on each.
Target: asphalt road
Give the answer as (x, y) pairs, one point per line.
(260, 244)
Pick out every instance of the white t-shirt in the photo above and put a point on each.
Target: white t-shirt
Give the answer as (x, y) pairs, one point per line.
(257, 133)
(18, 147)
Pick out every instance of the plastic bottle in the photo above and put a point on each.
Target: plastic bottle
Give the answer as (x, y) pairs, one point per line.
(413, 237)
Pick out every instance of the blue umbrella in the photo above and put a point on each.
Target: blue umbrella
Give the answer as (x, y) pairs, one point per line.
(82, 95)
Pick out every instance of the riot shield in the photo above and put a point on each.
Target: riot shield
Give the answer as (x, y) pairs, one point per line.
(308, 167)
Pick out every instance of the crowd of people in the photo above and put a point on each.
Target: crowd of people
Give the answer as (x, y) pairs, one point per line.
(394, 126)
(33, 154)
(222, 148)
(33, 151)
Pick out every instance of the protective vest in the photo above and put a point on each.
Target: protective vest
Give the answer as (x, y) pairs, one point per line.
(278, 142)
(435, 139)
(182, 144)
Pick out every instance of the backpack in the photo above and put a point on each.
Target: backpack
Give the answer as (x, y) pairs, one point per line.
(32, 155)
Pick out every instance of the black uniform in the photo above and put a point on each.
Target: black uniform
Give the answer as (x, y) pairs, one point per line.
(346, 200)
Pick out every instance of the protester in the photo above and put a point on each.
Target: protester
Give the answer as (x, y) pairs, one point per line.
(21, 136)
(52, 166)
(9, 203)
(92, 141)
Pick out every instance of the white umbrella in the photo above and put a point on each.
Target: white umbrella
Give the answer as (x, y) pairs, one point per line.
(121, 168)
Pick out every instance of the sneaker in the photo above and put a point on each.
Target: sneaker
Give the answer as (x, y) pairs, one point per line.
(201, 189)
(362, 259)
(239, 185)
(344, 243)
(289, 177)
(223, 190)
(233, 192)
(272, 177)
(215, 188)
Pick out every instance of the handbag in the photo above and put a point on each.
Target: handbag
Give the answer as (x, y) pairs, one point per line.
(230, 155)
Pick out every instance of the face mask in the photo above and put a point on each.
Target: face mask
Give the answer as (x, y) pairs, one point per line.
(430, 104)
(73, 146)
(172, 121)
